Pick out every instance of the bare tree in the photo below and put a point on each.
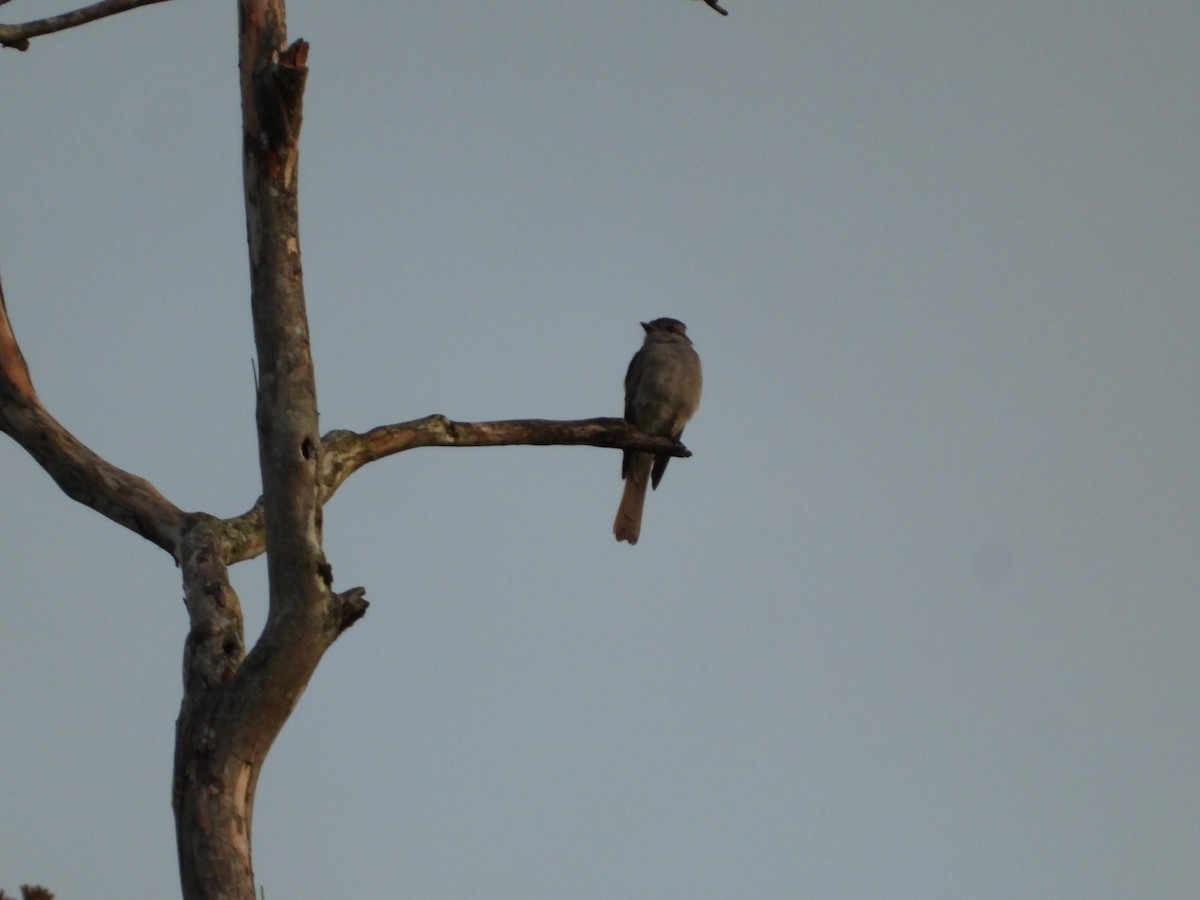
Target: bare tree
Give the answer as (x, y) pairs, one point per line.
(235, 702)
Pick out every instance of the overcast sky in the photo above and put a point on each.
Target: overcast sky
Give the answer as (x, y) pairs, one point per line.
(918, 620)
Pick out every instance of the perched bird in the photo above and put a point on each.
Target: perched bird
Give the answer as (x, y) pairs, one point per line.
(662, 391)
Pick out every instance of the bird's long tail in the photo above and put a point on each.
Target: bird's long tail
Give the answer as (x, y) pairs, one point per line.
(628, 524)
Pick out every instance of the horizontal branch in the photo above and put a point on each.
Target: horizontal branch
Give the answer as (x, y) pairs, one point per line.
(17, 36)
(345, 452)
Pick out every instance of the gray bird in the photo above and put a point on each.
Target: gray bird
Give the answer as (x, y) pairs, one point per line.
(662, 391)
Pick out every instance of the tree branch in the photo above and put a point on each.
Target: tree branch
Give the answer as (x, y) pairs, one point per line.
(218, 794)
(14, 371)
(17, 36)
(215, 646)
(83, 475)
(345, 452)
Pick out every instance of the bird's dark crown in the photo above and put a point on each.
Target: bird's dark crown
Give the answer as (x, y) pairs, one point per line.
(665, 324)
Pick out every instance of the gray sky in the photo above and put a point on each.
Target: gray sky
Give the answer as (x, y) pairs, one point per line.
(918, 620)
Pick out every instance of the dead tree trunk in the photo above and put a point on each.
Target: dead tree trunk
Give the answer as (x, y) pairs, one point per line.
(234, 703)
(233, 708)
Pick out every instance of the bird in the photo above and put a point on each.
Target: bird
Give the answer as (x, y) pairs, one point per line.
(662, 391)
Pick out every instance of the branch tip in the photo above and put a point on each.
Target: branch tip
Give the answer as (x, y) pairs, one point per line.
(353, 607)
